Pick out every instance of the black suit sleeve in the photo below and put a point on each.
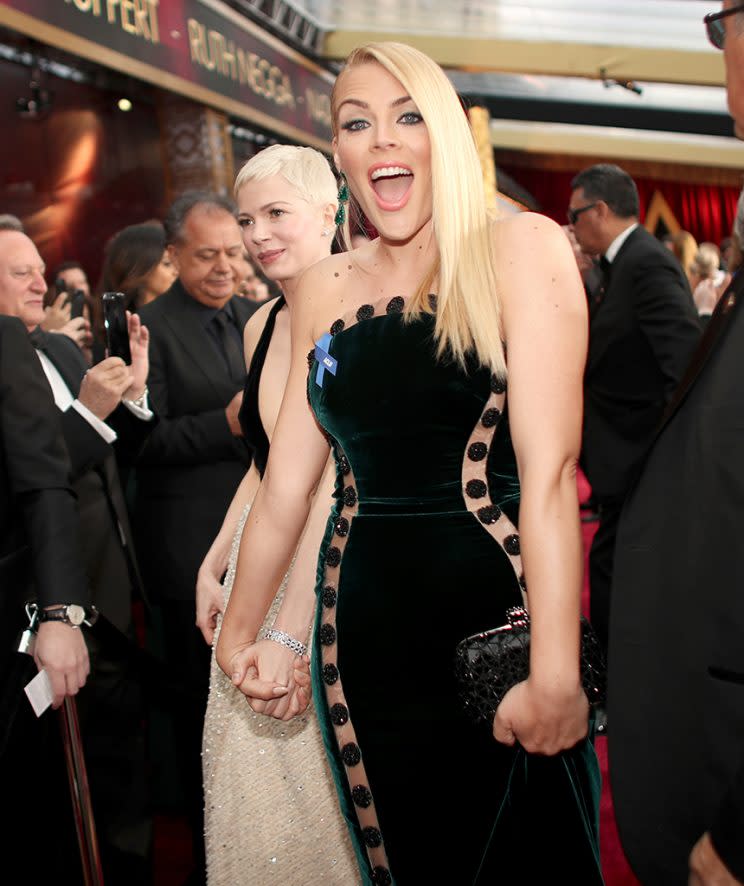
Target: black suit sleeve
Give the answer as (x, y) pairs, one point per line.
(185, 439)
(667, 317)
(728, 828)
(85, 445)
(38, 470)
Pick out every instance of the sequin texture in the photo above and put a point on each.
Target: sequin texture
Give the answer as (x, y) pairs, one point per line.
(476, 489)
(350, 754)
(490, 417)
(333, 556)
(365, 312)
(330, 674)
(350, 496)
(381, 876)
(339, 714)
(372, 837)
(477, 451)
(327, 634)
(329, 596)
(498, 386)
(511, 545)
(395, 305)
(337, 326)
(489, 514)
(361, 795)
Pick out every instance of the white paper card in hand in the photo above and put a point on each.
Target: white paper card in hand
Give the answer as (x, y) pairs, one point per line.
(39, 692)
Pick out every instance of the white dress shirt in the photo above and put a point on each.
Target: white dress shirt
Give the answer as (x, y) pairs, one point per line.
(64, 400)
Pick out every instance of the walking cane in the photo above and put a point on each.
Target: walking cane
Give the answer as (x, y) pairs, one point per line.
(82, 807)
(77, 774)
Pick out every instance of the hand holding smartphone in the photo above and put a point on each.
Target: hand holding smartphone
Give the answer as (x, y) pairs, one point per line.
(116, 326)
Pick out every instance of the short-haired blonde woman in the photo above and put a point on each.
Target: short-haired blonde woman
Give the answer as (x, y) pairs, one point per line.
(408, 338)
(270, 809)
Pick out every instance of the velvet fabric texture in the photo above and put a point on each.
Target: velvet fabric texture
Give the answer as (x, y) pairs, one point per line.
(405, 572)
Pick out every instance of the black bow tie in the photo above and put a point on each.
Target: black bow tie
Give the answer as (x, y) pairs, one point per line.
(38, 338)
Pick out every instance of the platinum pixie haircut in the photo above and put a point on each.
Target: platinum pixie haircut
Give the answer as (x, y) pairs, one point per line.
(306, 169)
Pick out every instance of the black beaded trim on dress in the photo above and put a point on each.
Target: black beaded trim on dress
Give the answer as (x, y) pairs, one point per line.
(349, 750)
(475, 489)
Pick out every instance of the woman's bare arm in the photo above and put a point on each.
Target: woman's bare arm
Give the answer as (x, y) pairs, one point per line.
(298, 454)
(545, 327)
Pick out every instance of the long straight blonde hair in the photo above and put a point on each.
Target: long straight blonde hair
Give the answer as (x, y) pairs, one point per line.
(468, 310)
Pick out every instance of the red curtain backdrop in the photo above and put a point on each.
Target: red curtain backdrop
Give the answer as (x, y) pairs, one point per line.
(706, 211)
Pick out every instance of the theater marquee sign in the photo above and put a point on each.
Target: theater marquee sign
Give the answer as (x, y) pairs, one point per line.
(199, 48)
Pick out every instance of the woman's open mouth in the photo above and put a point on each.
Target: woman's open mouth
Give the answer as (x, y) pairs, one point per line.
(391, 185)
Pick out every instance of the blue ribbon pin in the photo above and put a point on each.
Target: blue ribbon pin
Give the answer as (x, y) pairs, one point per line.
(325, 361)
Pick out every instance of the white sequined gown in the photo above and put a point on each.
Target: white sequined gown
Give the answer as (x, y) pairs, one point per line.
(271, 813)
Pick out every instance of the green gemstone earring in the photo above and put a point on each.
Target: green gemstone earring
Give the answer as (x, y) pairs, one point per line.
(343, 199)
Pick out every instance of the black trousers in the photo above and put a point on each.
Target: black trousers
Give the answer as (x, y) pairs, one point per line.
(38, 838)
(186, 652)
(601, 558)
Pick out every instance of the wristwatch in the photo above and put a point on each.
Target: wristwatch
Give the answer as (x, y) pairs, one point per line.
(72, 614)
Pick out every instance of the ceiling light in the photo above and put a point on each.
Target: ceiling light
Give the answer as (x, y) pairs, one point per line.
(124, 104)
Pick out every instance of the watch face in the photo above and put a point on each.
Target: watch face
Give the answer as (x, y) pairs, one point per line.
(75, 614)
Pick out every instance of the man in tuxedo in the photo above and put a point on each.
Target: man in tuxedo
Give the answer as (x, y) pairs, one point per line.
(39, 557)
(643, 328)
(195, 458)
(92, 418)
(676, 700)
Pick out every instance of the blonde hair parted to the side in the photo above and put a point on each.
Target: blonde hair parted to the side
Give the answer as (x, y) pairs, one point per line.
(306, 169)
(468, 313)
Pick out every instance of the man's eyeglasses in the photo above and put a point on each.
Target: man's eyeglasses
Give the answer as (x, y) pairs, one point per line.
(715, 26)
(573, 214)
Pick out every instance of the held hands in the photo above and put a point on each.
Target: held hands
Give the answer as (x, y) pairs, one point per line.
(275, 681)
(706, 867)
(139, 341)
(103, 386)
(542, 721)
(61, 651)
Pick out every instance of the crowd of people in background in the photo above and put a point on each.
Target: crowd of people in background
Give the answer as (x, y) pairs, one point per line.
(131, 484)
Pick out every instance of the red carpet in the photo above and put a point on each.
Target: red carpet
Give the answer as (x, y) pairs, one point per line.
(616, 870)
(173, 849)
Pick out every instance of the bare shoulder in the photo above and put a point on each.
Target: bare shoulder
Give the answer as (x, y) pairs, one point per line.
(534, 260)
(325, 288)
(527, 232)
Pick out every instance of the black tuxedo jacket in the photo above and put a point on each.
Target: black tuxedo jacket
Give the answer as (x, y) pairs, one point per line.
(191, 464)
(39, 541)
(105, 532)
(642, 333)
(676, 659)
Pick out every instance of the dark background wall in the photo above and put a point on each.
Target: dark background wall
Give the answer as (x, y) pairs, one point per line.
(82, 171)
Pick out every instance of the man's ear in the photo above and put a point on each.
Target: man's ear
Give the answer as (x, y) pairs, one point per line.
(173, 256)
(603, 210)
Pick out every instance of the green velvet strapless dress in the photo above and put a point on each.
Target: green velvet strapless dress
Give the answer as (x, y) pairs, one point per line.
(421, 551)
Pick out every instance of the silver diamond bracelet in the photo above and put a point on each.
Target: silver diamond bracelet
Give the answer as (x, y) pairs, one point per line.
(284, 639)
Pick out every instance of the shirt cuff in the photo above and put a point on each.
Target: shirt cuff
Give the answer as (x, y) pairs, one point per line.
(140, 409)
(108, 433)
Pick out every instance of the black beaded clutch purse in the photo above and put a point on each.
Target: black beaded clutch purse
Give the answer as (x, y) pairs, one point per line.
(487, 665)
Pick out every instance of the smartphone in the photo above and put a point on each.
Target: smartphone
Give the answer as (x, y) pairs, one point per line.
(115, 324)
(77, 303)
